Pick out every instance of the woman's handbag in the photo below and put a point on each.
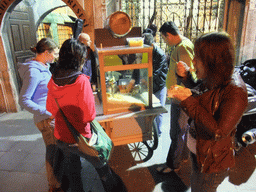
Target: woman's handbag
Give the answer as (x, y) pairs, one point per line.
(245, 165)
(99, 153)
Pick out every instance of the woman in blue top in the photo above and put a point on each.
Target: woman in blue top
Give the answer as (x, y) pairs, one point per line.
(35, 76)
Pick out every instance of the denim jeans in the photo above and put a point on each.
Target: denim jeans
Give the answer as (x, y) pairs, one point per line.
(161, 95)
(205, 182)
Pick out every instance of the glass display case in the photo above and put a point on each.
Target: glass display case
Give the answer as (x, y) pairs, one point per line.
(125, 78)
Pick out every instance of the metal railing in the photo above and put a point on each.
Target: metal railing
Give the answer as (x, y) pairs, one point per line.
(193, 17)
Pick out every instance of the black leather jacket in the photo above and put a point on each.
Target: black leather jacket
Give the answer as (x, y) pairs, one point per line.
(160, 68)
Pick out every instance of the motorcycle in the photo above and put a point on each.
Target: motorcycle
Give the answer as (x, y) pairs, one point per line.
(246, 129)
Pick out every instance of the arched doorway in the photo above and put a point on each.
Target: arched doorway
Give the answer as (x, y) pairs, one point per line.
(18, 35)
(10, 55)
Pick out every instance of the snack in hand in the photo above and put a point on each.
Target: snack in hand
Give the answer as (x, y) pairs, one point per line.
(178, 92)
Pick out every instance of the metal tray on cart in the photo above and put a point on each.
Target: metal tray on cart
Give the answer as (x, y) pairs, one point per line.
(137, 129)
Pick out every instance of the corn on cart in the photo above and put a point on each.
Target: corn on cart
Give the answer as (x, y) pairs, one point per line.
(125, 104)
(127, 115)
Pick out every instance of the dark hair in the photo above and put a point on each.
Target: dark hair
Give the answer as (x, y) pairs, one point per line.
(147, 30)
(72, 54)
(169, 27)
(217, 53)
(151, 29)
(148, 38)
(44, 45)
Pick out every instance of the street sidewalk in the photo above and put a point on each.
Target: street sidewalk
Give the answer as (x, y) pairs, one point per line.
(22, 163)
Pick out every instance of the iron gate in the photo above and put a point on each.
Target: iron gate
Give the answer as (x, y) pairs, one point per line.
(193, 17)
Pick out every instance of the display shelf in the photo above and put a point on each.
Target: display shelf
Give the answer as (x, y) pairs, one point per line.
(120, 67)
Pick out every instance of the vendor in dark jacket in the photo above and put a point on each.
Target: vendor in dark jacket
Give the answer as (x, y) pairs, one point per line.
(160, 69)
(214, 107)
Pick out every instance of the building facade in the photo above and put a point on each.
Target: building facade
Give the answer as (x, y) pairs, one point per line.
(237, 18)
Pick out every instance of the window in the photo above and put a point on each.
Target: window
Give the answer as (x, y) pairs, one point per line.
(43, 31)
(64, 32)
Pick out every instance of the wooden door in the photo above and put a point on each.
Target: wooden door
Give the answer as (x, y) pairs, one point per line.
(22, 35)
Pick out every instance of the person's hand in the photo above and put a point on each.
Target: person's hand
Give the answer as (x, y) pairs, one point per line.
(94, 87)
(49, 123)
(130, 86)
(182, 69)
(144, 83)
(178, 92)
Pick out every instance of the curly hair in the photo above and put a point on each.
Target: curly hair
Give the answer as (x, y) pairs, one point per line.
(72, 54)
(216, 51)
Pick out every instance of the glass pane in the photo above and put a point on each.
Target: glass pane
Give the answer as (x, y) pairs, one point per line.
(124, 59)
(127, 89)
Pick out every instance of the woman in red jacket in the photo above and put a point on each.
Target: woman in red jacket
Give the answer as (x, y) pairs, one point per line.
(73, 92)
(215, 107)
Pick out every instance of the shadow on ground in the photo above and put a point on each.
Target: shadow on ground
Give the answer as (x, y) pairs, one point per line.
(137, 177)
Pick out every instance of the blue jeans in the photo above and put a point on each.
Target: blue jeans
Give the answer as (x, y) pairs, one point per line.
(161, 95)
(205, 182)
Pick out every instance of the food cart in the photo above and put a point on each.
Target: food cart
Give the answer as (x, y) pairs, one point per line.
(127, 115)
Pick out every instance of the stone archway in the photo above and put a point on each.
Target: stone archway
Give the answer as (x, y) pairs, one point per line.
(8, 92)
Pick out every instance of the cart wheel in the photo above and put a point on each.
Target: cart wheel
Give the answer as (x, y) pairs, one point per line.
(153, 143)
(140, 152)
